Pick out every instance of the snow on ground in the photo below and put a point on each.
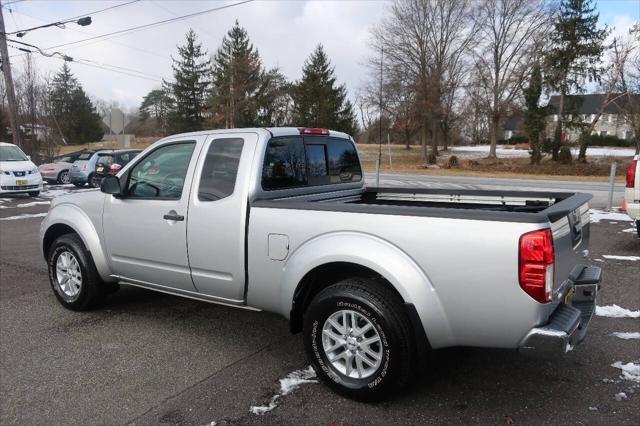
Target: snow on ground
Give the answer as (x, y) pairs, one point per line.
(620, 396)
(24, 216)
(615, 257)
(287, 385)
(483, 150)
(615, 311)
(627, 335)
(598, 215)
(629, 230)
(630, 370)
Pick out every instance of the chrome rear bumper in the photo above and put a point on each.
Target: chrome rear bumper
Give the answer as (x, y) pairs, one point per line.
(568, 324)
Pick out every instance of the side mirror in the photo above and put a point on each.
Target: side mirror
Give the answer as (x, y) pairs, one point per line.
(111, 185)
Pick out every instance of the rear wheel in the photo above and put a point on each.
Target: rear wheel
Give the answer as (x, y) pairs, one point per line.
(358, 338)
(90, 181)
(95, 181)
(34, 193)
(63, 177)
(72, 274)
(638, 227)
(78, 184)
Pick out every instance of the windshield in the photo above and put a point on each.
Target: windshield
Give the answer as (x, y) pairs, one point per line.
(64, 160)
(12, 153)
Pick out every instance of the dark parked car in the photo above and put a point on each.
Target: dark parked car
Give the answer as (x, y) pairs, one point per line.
(110, 163)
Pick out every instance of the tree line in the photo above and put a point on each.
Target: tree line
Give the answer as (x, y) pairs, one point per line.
(233, 89)
(459, 68)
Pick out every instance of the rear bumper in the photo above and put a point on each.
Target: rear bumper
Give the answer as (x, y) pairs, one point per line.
(568, 324)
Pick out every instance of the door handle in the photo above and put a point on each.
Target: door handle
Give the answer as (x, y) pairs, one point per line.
(173, 216)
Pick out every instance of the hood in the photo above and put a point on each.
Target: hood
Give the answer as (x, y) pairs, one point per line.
(17, 166)
(57, 165)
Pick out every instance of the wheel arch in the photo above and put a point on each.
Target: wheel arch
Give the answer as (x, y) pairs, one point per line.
(330, 258)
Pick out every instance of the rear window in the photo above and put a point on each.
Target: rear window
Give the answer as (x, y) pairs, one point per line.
(85, 156)
(297, 161)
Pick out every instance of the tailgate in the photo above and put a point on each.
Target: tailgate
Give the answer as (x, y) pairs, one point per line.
(570, 228)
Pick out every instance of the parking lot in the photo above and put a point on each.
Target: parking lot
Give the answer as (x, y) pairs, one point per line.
(150, 358)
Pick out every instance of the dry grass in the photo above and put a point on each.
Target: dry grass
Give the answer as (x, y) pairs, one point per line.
(136, 143)
(409, 161)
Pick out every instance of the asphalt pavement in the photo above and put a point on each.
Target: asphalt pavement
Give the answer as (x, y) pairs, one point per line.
(151, 358)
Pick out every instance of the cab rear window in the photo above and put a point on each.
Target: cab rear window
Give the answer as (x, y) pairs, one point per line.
(297, 161)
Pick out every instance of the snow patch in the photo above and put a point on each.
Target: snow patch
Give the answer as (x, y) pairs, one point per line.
(549, 332)
(620, 396)
(593, 408)
(629, 230)
(627, 335)
(630, 370)
(33, 203)
(598, 215)
(615, 311)
(287, 385)
(24, 216)
(615, 257)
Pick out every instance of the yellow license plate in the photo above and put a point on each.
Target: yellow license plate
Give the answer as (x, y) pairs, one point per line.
(568, 296)
(21, 182)
(99, 169)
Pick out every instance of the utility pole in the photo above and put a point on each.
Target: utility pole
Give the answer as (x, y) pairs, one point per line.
(8, 82)
(379, 161)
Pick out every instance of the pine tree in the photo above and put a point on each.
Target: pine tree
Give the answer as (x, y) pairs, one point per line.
(534, 115)
(236, 77)
(72, 109)
(273, 99)
(574, 58)
(318, 100)
(156, 106)
(190, 85)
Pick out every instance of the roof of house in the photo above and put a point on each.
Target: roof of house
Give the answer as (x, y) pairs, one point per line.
(590, 104)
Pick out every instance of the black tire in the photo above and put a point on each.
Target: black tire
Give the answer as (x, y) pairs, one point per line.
(78, 184)
(95, 182)
(34, 193)
(92, 290)
(90, 181)
(62, 176)
(638, 227)
(384, 308)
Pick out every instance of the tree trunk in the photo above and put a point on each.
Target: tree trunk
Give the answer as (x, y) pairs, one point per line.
(434, 138)
(534, 143)
(557, 135)
(584, 139)
(423, 141)
(493, 134)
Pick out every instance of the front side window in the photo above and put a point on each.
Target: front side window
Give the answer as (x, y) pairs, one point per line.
(162, 173)
(220, 169)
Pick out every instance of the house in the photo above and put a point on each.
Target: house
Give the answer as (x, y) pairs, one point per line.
(612, 122)
(513, 126)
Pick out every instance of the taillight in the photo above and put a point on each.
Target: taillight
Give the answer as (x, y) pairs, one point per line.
(631, 174)
(85, 167)
(115, 167)
(313, 131)
(536, 258)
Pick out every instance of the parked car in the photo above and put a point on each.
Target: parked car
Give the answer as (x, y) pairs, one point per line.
(84, 167)
(18, 174)
(632, 191)
(58, 170)
(109, 163)
(280, 220)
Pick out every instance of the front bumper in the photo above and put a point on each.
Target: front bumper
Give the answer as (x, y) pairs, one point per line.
(568, 324)
(50, 176)
(20, 184)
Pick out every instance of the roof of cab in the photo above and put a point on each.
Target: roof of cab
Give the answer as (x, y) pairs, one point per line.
(274, 131)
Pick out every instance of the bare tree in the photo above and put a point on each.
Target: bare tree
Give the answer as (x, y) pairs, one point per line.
(506, 31)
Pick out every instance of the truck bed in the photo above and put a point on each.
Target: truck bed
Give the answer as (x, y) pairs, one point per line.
(509, 206)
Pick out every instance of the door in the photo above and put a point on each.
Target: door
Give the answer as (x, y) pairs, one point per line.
(218, 214)
(145, 230)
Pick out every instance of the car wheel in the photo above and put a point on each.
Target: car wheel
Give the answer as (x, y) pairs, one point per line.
(90, 181)
(63, 177)
(95, 182)
(638, 227)
(358, 339)
(72, 274)
(34, 193)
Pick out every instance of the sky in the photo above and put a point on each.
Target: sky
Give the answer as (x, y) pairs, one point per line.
(284, 32)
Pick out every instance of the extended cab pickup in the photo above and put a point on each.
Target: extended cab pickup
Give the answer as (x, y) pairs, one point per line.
(280, 220)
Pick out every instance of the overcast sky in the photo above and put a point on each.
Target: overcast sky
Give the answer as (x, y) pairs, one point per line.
(285, 33)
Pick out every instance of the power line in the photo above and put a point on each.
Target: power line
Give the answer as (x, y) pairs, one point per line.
(103, 10)
(150, 25)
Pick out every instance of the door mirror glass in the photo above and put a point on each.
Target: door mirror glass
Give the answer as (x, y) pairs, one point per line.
(110, 185)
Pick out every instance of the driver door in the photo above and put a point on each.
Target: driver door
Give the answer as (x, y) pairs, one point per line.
(145, 229)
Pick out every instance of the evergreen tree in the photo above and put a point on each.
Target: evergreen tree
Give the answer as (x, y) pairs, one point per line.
(317, 99)
(72, 109)
(236, 77)
(156, 106)
(534, 115)
(574, 57)
(273, 99)
(190, 85)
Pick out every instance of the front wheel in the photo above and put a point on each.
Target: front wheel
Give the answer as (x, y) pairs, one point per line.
(95, 181)
(72, 274)
(34, 193)
(358, 339)
(63, 177)
(90, 181)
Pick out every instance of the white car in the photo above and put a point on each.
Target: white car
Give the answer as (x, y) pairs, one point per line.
(18, 175)
(632, 191)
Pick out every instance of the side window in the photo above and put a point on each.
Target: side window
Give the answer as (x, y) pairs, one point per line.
(220, 169)
(343, 161)
(284, 163)
(161, 174)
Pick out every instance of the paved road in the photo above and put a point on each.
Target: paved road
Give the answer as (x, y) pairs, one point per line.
(150, 358)
(600, 190)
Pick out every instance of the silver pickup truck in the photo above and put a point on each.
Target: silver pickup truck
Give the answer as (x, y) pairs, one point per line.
(280, 220)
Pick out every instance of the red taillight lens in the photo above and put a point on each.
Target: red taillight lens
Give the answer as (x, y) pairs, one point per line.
(115, 168)
(631, 174)
(313, 131)
(85, 167)
(536, 258)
